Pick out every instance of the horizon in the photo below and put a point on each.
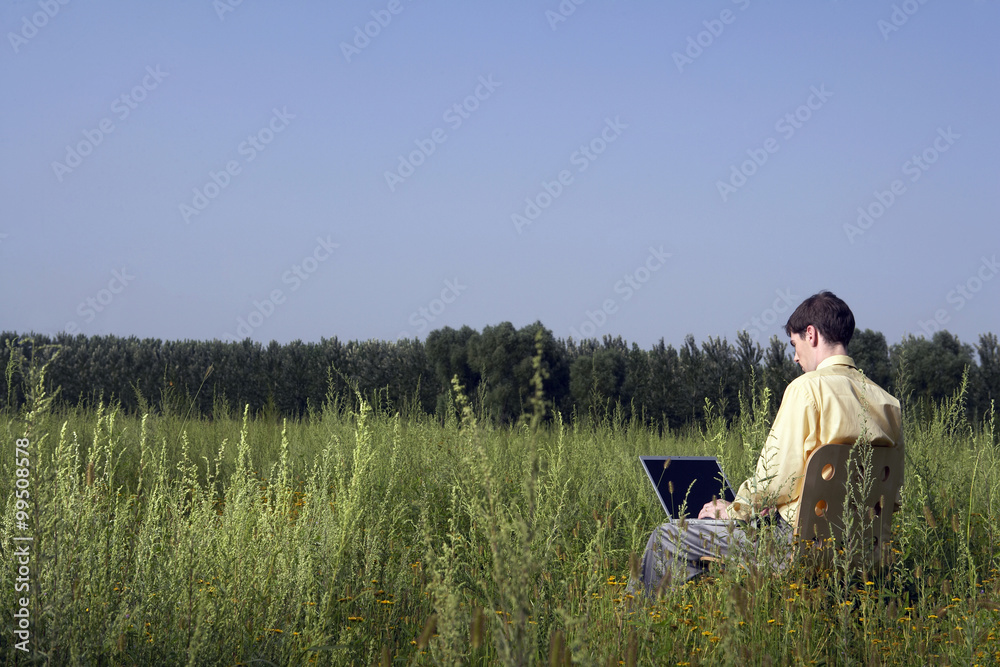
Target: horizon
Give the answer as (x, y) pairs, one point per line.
(565, 340)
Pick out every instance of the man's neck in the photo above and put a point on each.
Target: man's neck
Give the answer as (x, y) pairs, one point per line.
(824, 352)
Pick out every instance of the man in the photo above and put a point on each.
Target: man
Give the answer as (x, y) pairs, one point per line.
(832, 402)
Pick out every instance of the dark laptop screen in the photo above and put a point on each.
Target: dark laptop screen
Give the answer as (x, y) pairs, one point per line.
(698, 479)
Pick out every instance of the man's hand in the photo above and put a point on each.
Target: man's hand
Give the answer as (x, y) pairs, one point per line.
(714, 510)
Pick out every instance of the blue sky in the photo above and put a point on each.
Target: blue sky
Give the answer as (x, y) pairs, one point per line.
(379, 169)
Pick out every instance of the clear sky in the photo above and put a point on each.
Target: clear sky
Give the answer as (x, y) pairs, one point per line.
(379, 169)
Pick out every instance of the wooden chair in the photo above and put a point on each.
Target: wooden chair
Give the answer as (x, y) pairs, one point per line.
(824, 497)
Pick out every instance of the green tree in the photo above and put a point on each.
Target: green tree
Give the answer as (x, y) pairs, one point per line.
(448, 354)
(665, 398)
(596, 382)
(934, 368)
(779, 369)
(502, 356)
(871, 354)
(989, 365)
(748, 361)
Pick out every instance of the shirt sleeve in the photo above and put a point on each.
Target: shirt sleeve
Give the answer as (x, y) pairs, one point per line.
(777, 480)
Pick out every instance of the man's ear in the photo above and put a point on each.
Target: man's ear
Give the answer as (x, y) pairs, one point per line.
(812, 335)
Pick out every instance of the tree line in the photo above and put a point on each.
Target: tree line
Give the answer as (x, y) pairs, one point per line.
(663, 385)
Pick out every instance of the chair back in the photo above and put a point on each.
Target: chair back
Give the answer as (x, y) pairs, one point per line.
(824, 500)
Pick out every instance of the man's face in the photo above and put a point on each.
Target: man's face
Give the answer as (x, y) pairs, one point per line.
(805, 352)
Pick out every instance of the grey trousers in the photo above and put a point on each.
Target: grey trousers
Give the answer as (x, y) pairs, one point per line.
(674, 555)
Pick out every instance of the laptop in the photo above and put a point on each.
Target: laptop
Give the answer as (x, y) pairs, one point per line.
(687, 482)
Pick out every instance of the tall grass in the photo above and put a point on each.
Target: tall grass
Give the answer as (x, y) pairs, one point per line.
(363, 537)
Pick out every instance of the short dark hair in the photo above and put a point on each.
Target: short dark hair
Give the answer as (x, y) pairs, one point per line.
(829, 314)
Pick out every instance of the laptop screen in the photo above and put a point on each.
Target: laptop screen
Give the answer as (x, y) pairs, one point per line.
(686, 481)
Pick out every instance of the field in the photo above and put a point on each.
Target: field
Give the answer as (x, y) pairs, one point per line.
(359, 536)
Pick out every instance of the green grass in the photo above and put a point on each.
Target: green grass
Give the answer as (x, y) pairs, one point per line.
(363, 538)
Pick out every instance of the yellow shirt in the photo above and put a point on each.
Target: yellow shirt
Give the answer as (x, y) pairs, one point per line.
(823, 406)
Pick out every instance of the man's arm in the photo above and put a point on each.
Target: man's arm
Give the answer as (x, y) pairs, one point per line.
(778, 475)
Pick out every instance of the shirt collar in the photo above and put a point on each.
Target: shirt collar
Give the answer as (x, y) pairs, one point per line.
(836, 360)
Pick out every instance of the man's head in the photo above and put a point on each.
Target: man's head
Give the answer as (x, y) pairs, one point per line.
(820, 327)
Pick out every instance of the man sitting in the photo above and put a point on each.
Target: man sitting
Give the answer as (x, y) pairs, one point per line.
(832, 402)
